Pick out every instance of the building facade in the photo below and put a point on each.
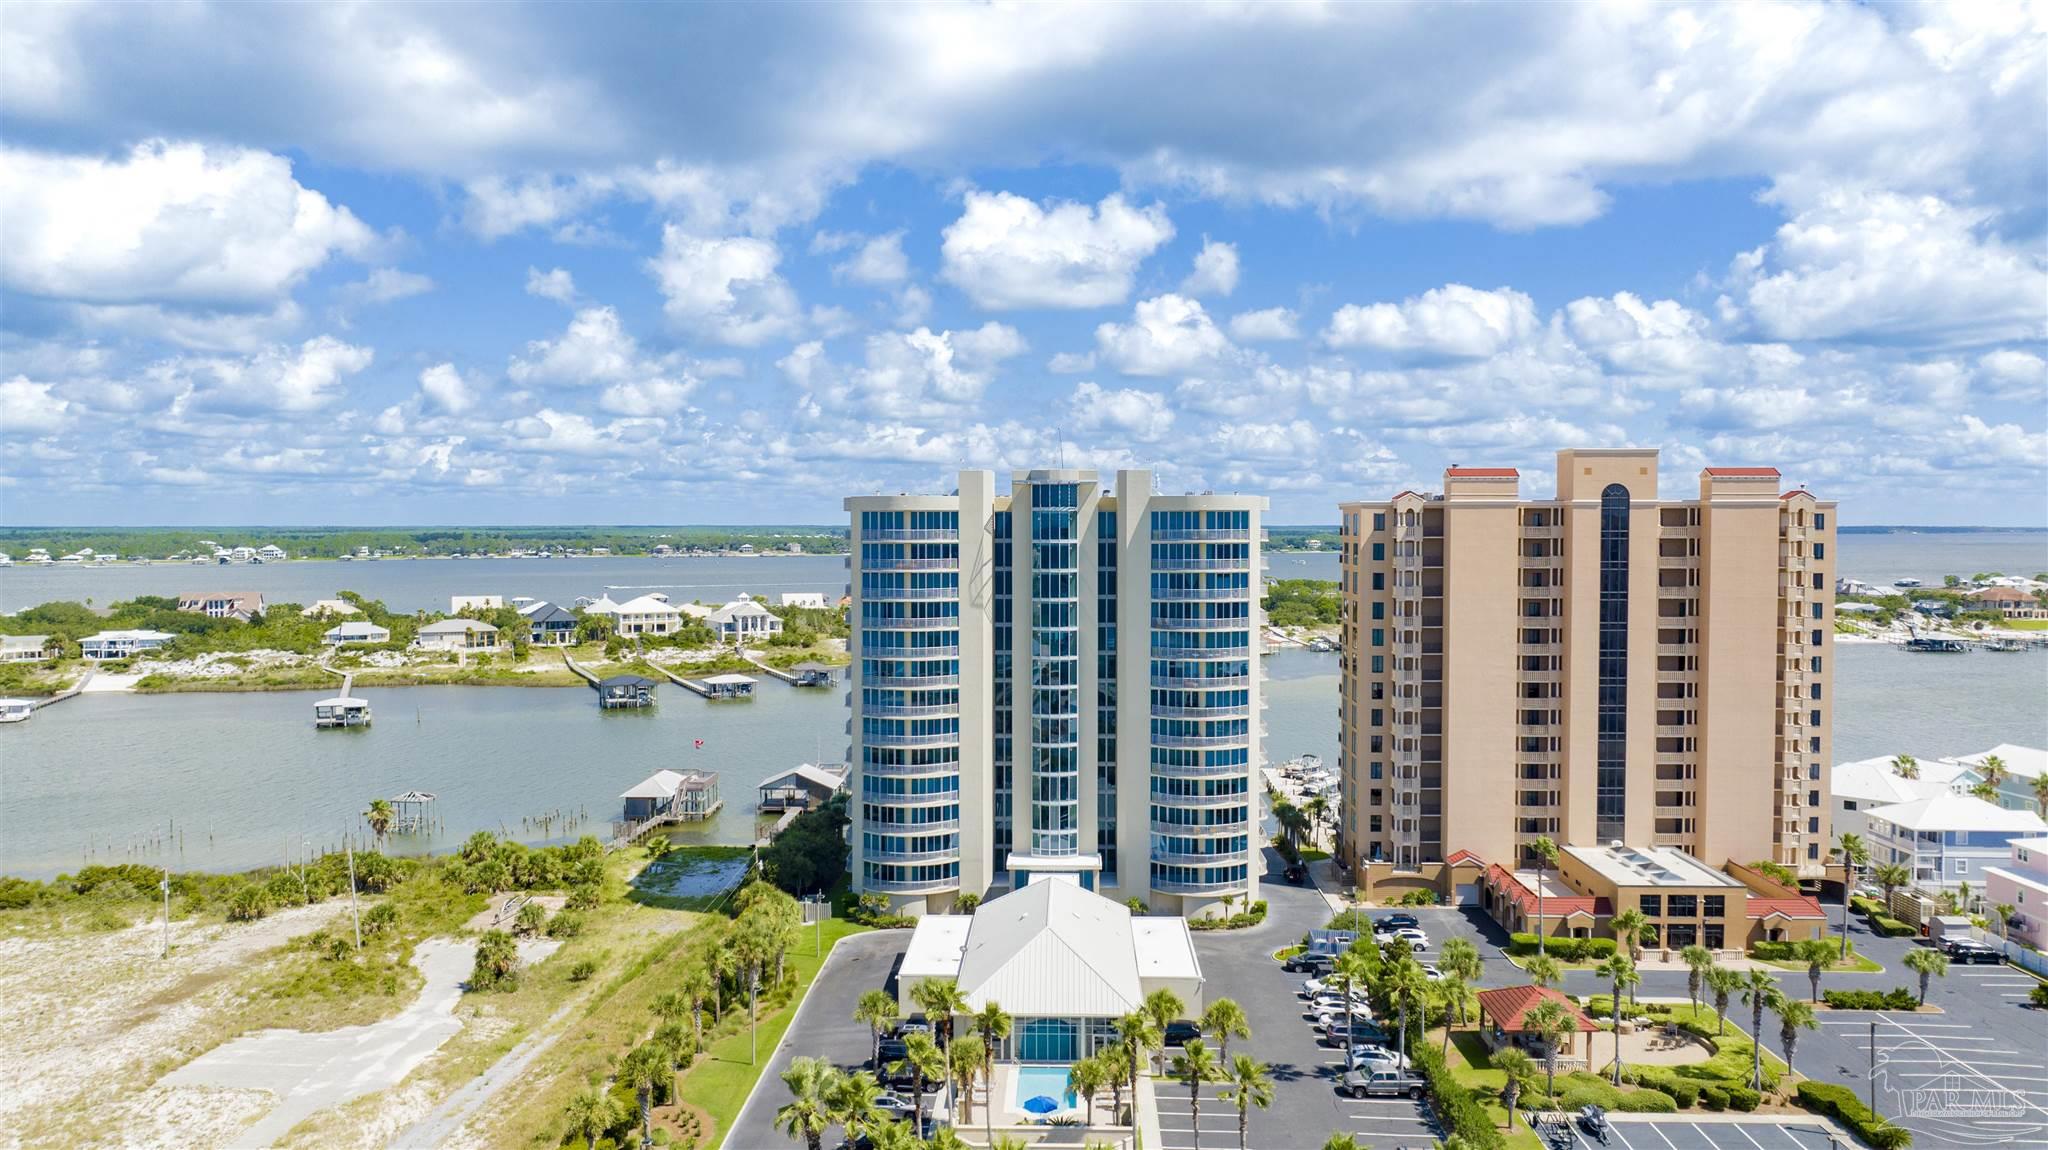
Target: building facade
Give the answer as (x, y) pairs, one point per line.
(2022, 883)
(1603, 666)
(1062, 680)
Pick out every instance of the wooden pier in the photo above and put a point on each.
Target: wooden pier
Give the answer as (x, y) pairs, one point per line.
(716, 688)
(68, 692)
(809, 674)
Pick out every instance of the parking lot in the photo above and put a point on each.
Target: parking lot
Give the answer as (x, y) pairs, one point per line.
(1667, 1134)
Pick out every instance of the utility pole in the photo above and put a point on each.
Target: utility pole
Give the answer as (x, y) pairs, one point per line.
(355, 912)
(1873, 1064)
(166, 884)
(754, 1016)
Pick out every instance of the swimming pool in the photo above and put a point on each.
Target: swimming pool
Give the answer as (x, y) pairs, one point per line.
(1051, 1081)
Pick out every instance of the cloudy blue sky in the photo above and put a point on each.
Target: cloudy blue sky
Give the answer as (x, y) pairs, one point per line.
(641, 263)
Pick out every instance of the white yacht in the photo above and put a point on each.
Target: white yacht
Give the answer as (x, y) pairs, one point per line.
(16, 710)
(1905, 582)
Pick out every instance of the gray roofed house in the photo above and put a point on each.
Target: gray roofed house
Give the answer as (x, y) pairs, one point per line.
(625, 691)
(356, 631)
(457, 635)
(243, 605)
(549, 624)
(26, 648)
(803, 786)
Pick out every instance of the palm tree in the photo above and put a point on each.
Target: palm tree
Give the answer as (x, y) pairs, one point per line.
(1794, 1016)
(1926, 962)
(1722, 983)
(1250, 1085)
(924, 1062)
(878, 1009)
(1341, 1142)
(1890, 876)
(1194, 1065)
(1985, 789)
(1459, 957)
(2004, 912)
(1623, 974)
(1116, 1065)
(1543, 970)
(1994, 771)
(1854, 854)
(812, 1083)
(940, 999)
(1164, 1008)
(592, 1112)
(1697, 961)
(1818, 956)
(1550, 1021)
(1292, 822)
(696, 987)
(992, 1025)
(380, 816)
(642, 1070)
(2041, 794)
(895, 1135)
(1516, 1065)
(1405, 983)
(1545, 850)
(1137, 1032)
(1350, 975)
(1628, 931)
(1224, 1020)
(1318, 808)
(1087, 1078)
(1906, 766)
(1760, 993)
(856, 1104)
(965, 1065)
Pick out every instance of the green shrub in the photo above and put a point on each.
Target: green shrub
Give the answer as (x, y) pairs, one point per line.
(1774, 951)
(1897, 998)
(2039, 995)
(1565, 949)
(1456, 1106)
(565, 924)
(380, 918)
(1743, 1098)
(249, 903)
(1648, 1102)
(1418, 898)
(1889, 927)
(1714, 1097)
(582, 971)
(1841, 1104)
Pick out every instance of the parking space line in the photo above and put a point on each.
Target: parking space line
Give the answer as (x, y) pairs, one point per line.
(1752, 1139)
(1625, 1143)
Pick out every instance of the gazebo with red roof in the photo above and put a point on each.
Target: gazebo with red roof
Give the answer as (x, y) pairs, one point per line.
(1502, 1011)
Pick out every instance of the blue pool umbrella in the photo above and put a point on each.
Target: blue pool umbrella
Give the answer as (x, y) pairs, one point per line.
(1043, 1104)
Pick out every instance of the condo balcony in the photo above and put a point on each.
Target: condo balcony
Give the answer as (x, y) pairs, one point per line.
(1238, 624)
(1199, 742)
(933, 886)
(1164, 887)
(950, 854)
(936, 712)
(1238, 828)
(908, 680)
(1212, 594)
(1205, 535)
(1201, 681)
(876, 739)
(1202, 564)
(905, 563)
(1240, 711)
(898, 594)
(882, 828)
(907, 770)
(947, 624)
(1181, 858)
(1187, 654)
(908, 535)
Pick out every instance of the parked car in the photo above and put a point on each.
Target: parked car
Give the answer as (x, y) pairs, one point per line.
(1360, 1030)
(1313, 987)
(893, 1050)
(1969, 950)
(1373, 1056)
(1363, 1083)
(915, 1024)
(1388, 923)
(896, 1107)
(1296, 874)
(1310, 962)
(1415, 938)
(1430, 972)
(1333, 1004)
(1181, 1033)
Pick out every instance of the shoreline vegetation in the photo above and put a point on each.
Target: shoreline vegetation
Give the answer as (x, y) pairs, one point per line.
(621, 977)
(283, 649)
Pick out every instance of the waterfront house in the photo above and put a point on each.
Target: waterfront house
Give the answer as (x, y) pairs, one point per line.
(2022, 765)
(647, 615)
(625, 691)
(1947, 839)
(806, 785)
(122, 644)
(812, 674)
(356, 631)
(812, 599)
(457, 635)
(1855, 788)
(549, 625)
(457, 604)
(270, 553)
(1848, 586)
(26, 648)
(2009, 602)
(342, 711)
(336, 608)
(2022, 883)
(1938, 608)
(1064, 962)
(242, 605)
(739, 621)
(686, 795)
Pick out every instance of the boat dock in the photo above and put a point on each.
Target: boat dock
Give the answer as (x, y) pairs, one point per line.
(34, 705)
(714, 687)
(342, 710)
(666, 797)
(810, 674)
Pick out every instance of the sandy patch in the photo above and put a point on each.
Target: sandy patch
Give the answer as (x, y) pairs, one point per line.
(84, 1012)
(107, 682)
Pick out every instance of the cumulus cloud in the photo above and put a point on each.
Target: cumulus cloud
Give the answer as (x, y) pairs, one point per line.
(1663, 338)
(597, 351)
(1142, 415)
(555, 284)
(1215, 270)
(384, 285)
(905, 375)
(1267, 325)
(1071, 362)
(168, 222)
(1008, 252)
(278, 379)
(1167, 334)
(27, 406)
(725, 290)
(875, 260)
(1453, 321)
(1857, 262)
(446, 388)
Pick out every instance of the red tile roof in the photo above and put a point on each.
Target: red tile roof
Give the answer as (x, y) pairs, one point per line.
(1486, 472)
(1463, 857)
(1797, 491)
(1554, 906)
(1804, 906)
(1508, 1004)
(1743, 472)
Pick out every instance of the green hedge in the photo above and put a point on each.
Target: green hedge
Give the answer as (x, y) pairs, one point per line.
(1565, 949)
(1889, 927)
(1897, 998)
(1743, 1098)
(1682, 1092)
(1841, 1104)
(1456, 1105)
(1714, 1097)
(1865, 905)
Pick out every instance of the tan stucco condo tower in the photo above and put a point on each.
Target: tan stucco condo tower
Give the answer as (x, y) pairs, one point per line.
(1605, 666)
(1057, 683)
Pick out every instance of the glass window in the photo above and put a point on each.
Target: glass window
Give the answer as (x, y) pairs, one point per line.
(1820, 522)
(1379, 521)
(1685, 906)
(1652, 904)
(1379, 552)
(1715, 905)
(1820, 551)
(1610, 783)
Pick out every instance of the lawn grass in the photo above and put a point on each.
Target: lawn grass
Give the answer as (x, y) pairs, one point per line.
(1857, 964)
(1732, 1050)
(1471, 1064)
(2025, 624)
(720, 1081)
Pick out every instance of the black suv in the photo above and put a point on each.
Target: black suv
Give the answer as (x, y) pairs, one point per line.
(1387, 923)
(1181, 1033)
(1967, 950)
(1310, 962)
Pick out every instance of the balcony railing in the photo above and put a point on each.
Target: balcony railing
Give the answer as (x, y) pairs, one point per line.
(875, 739)
(950, 854)
(1200, 741)
(950, 623)
(905, 563)
(909, 680)
(1204, 535)
(896, 594)
(909, 535)
(932, 886)
(1196, 681)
